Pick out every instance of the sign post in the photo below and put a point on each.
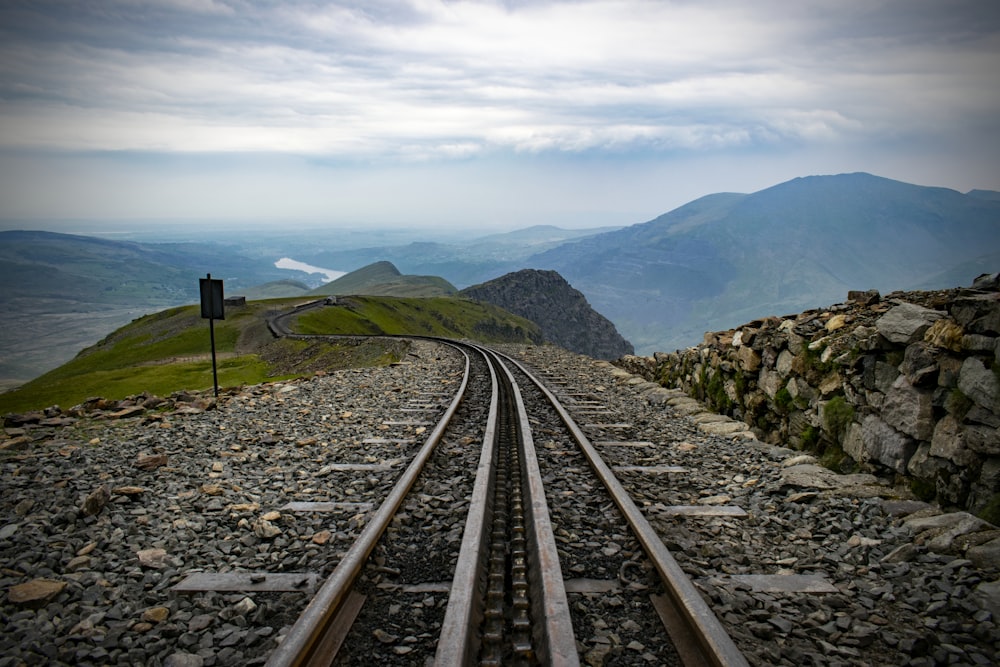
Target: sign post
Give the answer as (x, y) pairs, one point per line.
(212, 309)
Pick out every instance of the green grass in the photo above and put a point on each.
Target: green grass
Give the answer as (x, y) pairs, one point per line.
(837, 416)
(434, 316)
(159, 353)
(171, 350)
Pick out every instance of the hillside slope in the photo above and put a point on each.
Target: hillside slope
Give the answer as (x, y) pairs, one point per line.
(728, 258)
(384, 279)
(170, 351)
(63, 292)
(562, 312)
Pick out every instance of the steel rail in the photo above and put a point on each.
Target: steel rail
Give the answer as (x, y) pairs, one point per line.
(696, 632)
(700, 639)
(306, 643)
(458, 643)
(553, 639)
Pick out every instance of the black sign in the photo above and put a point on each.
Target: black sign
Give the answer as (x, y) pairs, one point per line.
(211, 299)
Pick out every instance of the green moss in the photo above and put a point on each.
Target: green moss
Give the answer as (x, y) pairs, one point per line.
(836, 459)
(813, 360)
(957, 404)
(698, 388)
(991, 512)
(809, 438)
(783, 400)
(837, 415)
(740, 381)
(716, 393)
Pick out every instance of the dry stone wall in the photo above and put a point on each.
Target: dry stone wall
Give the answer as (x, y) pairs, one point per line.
(906, 386)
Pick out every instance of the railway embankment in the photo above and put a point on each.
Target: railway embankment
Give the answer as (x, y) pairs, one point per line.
(905, 386)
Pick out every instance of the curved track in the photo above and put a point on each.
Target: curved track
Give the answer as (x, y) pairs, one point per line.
(507, 601)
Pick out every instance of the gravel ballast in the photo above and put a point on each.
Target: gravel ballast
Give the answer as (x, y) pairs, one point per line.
(103, 511)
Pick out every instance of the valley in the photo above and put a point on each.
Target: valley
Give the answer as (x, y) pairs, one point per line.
(711, 264)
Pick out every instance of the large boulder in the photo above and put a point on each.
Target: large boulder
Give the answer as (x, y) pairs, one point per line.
(907, 323)
(909, 410)
(884, 444)
(979, 383)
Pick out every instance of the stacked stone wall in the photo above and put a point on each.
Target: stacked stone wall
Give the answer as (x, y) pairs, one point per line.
(906, 386)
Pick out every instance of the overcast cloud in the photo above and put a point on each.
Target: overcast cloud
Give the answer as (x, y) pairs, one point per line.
(480, 113)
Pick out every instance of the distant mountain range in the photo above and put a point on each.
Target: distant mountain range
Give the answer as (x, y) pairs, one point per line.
(725, 259)
(716, 262)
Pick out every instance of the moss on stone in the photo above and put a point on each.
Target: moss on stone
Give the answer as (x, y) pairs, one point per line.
(991, 512)
(837, 415)
(783, 400)
(809, 438)
(957, 404)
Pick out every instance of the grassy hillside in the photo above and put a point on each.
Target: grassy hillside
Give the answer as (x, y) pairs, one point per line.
(170, 351)
(436, 316)
(62, 292)
(384, 279)
(276, 289)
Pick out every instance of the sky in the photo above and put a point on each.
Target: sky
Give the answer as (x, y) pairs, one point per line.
(478, 115)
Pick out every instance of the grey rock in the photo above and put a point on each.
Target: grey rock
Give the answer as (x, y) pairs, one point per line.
(985, 555)
(853, 443)
(948, 442)
(923, 465)
(909, 410)
(983, 439)
(884, 444)
(907, 322)
(987, 596)
(183, 660)
(987, 281)
(978, 343)
(885, 376)
(979, 383)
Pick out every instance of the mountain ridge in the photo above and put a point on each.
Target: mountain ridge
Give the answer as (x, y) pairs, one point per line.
(562, 312)
(727, 257)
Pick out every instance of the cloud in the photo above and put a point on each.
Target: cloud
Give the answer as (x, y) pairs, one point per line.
(377, 79)
(385, 83)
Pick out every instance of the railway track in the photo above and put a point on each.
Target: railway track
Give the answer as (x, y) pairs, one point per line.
(223, 523)
(516, 588)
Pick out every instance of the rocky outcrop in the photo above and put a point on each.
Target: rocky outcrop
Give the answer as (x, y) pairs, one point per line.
(565, 317)
(907, 386)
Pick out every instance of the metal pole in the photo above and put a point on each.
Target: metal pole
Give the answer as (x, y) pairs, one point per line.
(211, 330)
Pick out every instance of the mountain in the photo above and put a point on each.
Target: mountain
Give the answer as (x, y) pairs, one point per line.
(460, 262)
(725, 259)
(562, 312)
(384, 279)
(985, 194)
(275, 289)
(169, 351)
